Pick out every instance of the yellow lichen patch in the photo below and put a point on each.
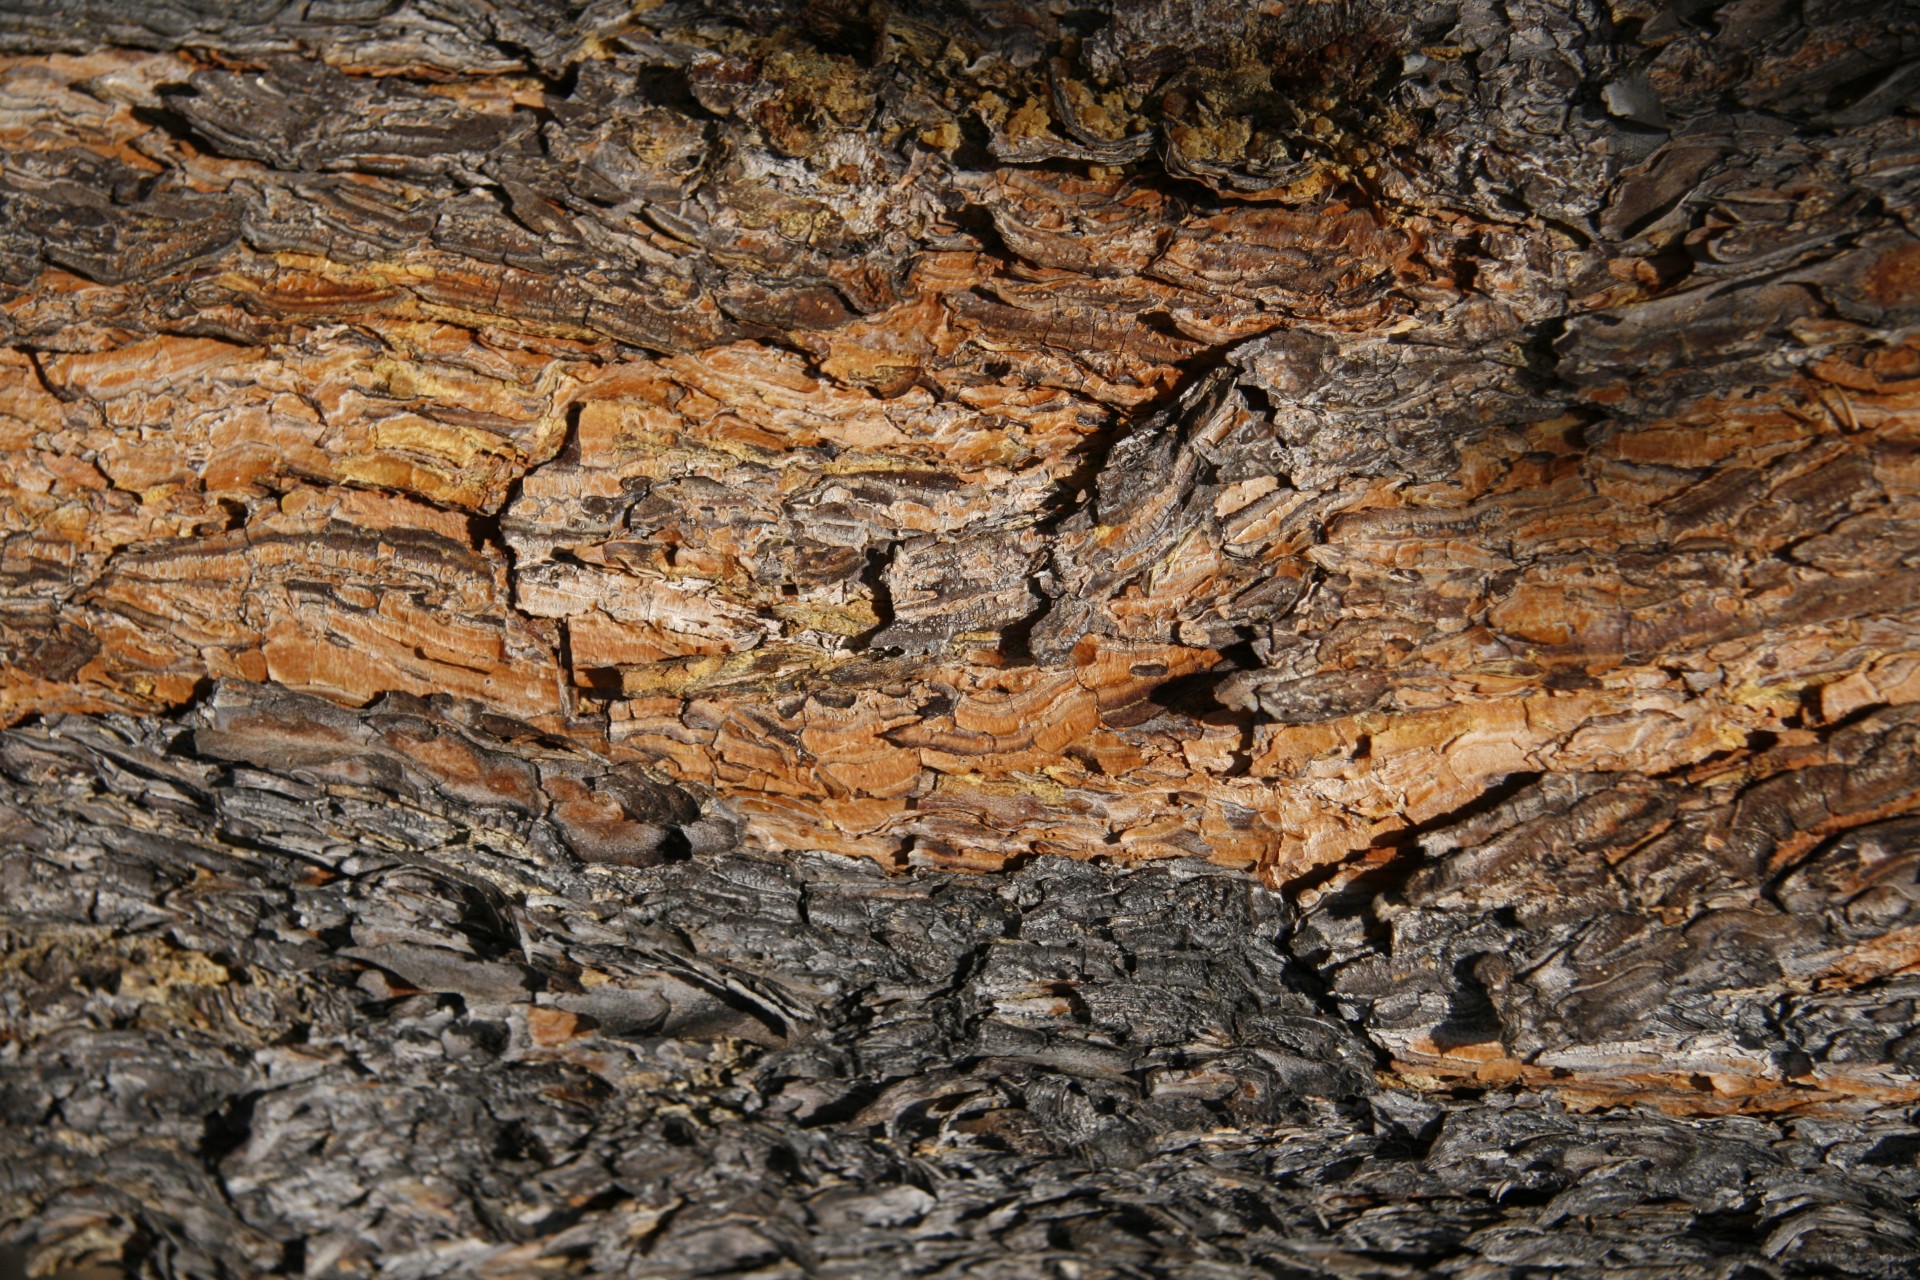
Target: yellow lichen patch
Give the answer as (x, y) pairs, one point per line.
(146, 981)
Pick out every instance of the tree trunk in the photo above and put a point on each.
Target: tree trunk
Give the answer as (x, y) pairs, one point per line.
(546, 547)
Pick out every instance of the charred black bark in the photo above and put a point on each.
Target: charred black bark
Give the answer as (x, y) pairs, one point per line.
(272, 1010)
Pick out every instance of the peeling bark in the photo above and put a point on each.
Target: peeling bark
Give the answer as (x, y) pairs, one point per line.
(539, 542)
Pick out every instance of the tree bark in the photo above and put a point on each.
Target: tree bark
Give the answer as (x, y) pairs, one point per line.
(546, 545)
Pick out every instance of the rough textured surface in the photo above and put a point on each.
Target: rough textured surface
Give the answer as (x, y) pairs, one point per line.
(539, 540)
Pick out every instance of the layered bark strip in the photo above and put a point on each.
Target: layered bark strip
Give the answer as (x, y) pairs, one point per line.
(540, 540)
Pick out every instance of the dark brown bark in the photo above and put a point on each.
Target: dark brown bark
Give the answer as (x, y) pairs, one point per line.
(543, 543)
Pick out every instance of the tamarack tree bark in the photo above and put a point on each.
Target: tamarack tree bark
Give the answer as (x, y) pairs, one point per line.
(960, 637)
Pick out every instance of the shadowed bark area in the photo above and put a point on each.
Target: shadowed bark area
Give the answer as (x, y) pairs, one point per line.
(295, 989)
(542, 546)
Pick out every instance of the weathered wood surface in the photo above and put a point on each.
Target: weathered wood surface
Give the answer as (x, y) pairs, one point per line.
(498, 501)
